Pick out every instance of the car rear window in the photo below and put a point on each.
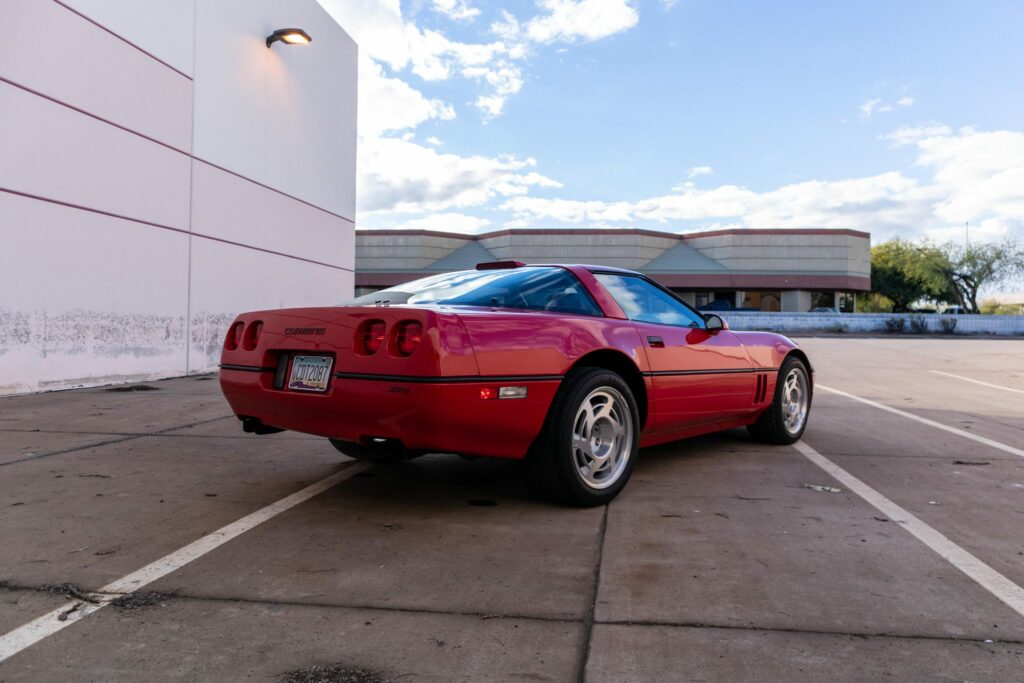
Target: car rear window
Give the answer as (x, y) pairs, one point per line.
(538, 288)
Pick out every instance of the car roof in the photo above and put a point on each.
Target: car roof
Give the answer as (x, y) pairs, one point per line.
(588, 266)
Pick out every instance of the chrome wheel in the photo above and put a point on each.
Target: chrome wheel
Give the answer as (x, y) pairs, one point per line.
(602, 438)
(795, 400)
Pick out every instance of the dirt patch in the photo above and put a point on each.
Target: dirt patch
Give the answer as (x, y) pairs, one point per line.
(134, 387)
(333, 673)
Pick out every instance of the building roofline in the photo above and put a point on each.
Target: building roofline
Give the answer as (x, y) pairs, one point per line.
(616, 231)
(694, 281)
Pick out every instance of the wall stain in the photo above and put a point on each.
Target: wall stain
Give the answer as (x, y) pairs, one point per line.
(99, 341)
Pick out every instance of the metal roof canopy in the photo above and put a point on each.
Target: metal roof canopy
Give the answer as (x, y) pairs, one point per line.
(463, 258)
(682, 258)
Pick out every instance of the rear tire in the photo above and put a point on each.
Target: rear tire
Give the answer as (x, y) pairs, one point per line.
(388, 452)
(587, 448)
(786, 418)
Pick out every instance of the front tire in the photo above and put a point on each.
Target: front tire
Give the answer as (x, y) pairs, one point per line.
(586, 450)
(786, 418)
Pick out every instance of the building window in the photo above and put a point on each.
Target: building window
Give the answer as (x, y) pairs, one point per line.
(844, 302)
(823, 300)
(762, 301)
(715, 301)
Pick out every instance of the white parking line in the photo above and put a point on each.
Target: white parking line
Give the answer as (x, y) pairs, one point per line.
(977, 381)
(24, 636)
(995, 583)
(923, 420)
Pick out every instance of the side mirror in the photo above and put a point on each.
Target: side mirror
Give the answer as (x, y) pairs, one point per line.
(713, 323)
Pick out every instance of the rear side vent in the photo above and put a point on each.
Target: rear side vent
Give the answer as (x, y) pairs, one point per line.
(761, 392)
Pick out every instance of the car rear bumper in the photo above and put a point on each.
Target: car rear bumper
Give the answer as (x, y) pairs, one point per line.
(442, 415)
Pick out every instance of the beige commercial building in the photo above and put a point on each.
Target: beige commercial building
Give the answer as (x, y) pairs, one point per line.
(766, 270)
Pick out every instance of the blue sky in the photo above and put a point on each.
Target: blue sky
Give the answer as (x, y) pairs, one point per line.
(900, 118)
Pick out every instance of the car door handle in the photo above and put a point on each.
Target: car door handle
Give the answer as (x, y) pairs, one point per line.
(656, 342)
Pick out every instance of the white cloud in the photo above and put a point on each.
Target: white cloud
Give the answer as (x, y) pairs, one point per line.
(508, 28)
(390, 104)
(979, 175)
(384, 35)
(877, 105)
(432, 140)
(908, 135)
(974, 176)
(697, 171)
(404, 177)
(504, 78)
(443, 222)
(458, 10)
(586, 20)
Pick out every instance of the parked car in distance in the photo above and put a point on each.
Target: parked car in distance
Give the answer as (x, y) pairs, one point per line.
(570, 368)
(954, 310)
(824, 309)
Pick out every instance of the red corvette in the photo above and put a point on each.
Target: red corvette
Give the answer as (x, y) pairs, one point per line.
(570, 368)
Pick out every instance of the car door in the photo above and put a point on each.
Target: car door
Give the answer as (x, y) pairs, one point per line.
(698, 375)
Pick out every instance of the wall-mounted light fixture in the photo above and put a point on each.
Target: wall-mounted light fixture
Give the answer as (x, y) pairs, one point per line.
(292, 36)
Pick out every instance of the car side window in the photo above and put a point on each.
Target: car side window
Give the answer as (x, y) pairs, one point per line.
(644, 302)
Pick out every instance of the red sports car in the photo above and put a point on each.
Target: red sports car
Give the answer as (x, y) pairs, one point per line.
(570, 368)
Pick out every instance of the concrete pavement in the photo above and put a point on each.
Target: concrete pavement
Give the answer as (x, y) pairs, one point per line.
(718, 562)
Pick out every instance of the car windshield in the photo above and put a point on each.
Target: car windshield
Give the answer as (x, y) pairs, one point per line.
(538, 288)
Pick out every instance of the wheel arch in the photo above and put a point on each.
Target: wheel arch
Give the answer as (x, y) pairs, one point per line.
(800, 355)
(622, 365)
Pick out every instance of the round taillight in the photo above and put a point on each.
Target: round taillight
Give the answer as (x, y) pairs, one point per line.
(410, 334)
(252, 335)
(234, 337)
(372, 336)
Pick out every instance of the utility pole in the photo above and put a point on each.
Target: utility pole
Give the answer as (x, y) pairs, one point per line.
(967, 234)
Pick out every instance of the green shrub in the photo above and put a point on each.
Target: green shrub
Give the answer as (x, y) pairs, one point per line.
(918, 324)
(895, 325)
(948, 324)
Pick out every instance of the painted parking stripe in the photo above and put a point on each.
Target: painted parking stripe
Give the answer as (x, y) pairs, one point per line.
(923, 420)
(985, 576)
(978, 381)
(24, 636)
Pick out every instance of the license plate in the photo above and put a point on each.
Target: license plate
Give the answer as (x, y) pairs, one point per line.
(310, 373)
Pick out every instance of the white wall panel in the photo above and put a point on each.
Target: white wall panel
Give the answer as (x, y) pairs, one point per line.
(94, 306)
(228, 280)
(235, 209)
(164, 28)
(134, 91)
(51, 151)
(284, 116)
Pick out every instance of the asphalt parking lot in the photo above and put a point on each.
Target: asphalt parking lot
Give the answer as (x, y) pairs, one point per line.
(892, 547)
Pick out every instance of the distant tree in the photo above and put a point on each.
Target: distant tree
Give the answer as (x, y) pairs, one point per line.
(904, 272)
(873, 302)
(993, 307)
(964, 270)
